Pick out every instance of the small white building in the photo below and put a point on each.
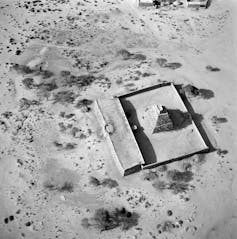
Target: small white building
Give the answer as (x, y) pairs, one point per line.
(197, 3)
(144, 3)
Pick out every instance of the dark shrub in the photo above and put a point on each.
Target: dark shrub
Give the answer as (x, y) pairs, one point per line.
(161, 61)
(64, 97)
(213, 69)
(107, 220)
(94, 181)
(28, 83)
(176, 175)
(125, 54)
(108, 182)
(173, 65)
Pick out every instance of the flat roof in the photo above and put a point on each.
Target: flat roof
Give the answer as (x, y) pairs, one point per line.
(168, 145)
(122, 142)
(143, 146)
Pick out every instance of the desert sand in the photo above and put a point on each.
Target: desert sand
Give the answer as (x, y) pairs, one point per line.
(56, 58)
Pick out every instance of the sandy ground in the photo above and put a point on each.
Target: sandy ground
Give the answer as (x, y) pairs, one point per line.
(52, 143)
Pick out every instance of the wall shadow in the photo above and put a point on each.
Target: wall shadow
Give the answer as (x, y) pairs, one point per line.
(143, 141)
(197, 118)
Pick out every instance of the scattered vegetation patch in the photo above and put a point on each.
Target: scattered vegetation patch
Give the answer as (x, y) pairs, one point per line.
(70, 146)
(49, 86)
(212, 69)
(79, 81)
(138, 57)
(25, 70)
(126, 55)
(151, 175)
(166, 226)
(84, 105)
(160, 185)
(222, 152)
(173, 65)
(179, 181)
(25, 103)
(190, 90)
(178, 187)
(110, 183)
(107, 220)
(219, 120)
(66, 186)
(163, 63)
(28, 83)
(176, 175)
(22, 69)
(107, 182)
(45, 86)
(64, 97)
(206, 94)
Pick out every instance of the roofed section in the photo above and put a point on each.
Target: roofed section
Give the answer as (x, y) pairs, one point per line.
(120, 137)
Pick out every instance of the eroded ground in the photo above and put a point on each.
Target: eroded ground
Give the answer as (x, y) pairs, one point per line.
(56, 170)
